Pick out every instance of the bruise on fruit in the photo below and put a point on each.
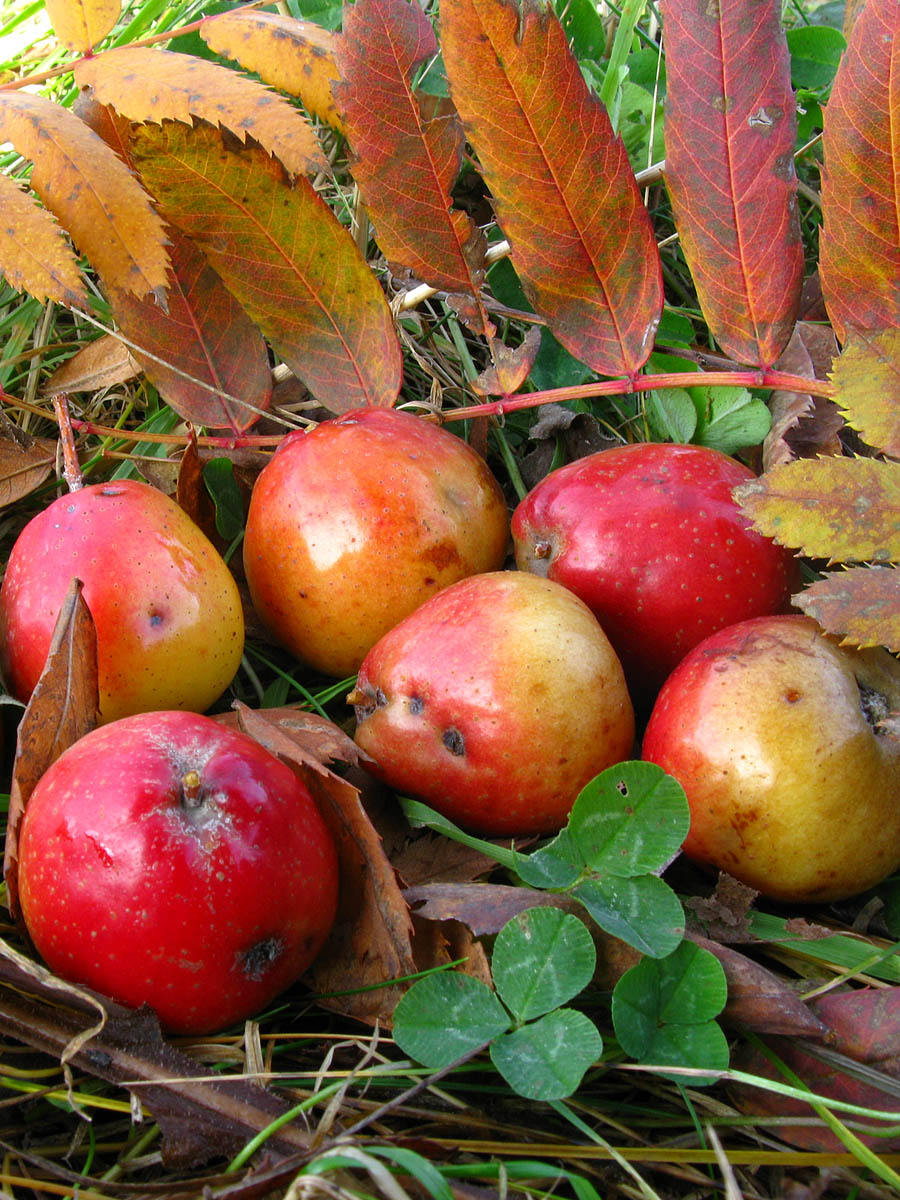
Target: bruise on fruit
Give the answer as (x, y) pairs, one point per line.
(453, 740)
(254, 964)
(443, 555)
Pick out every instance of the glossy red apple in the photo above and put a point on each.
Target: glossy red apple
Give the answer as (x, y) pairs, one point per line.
(356, 523)
(773, 732)
(495, 702)
(165, 859)
(170, 628)
(649, 536)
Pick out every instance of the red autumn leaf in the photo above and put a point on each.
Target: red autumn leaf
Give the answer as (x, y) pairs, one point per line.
(730, 135)
(405, 163)
(564, 192)
(859, 247)
(284, 255)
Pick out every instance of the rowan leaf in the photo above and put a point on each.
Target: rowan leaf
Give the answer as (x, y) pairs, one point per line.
(405, 164)
(867, 377)
(582, 241)
(730, 134)
(81, 24)
(90, 192)
(861, 604)
(145, 84)
(205, 356)
(34, 254)
(284, 255)
(859, 247)
(293, 56)
(842, 509)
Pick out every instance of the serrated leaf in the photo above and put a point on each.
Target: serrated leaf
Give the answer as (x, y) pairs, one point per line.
(842, 509)
(861, 605)
(866, 375)
(642, 911)
(582, 241)
(859, 244)
(547, 1059)
(731, 420)
(630, 819)
(405, 162)
(671, 414)
(445, 1016)
(81, 24)
(541, 959)
(286, 258)
(34, 254)
(730, 134)
(294, 56)
(90, 192)
(145, 84)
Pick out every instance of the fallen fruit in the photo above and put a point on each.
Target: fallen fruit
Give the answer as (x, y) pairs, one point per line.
(165, 859)
(648, 535)
(170, 628)
(495, 702)
(356, 523)
(773, 732)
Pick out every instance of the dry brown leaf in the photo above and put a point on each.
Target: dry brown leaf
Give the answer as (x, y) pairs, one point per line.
(62, 708)
(81, 24)
(24, 468)
(509, 368)
(103, 363)
(34, 254)
(294, 56)
(145, 84)
(90, 192)
(303, 738)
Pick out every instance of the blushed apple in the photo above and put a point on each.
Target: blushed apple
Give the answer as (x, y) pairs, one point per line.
(495, 702)
(165, 859)
(170, 627)
(772, 729)
(356, 523)
(649, 536)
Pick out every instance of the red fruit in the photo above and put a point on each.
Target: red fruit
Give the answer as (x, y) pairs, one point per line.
(650, 538)
(495, 702)
(170, 628)
(165, 859)
(354, 525)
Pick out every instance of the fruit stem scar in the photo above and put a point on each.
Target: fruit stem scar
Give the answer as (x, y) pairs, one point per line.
(190, 789)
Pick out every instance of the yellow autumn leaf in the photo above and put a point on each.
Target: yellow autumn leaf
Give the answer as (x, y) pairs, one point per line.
(34, 254)
(81, 24)
(867, 378)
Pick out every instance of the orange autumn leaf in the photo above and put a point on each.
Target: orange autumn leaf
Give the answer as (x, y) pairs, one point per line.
(146, 84)
(284, 256)
(34, 254)
(563, 188)
(81, 24)
(293, 56)
(90, 191)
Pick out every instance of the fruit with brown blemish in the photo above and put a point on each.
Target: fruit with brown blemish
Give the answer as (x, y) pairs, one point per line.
(784, 744)
(170, 627)
(650, 537)
(168, 860)
(502, 698)
(359, 521)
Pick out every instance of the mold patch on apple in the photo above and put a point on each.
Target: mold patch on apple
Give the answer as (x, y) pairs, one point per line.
(254, 964)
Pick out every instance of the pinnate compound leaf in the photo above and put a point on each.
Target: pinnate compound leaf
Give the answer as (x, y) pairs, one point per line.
(89, 191)
(842, 509)
(582, 241)
(542, 958)
(146, 84)
(642, 911)
(861, 605)
(730, 134)
(547, 1059)
(630, 819)
(859, 247)
(81, 24)
(445, 1016)
(405, 164)
(867, 377)
(286, 258)
(293, 56)
(34, 254)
